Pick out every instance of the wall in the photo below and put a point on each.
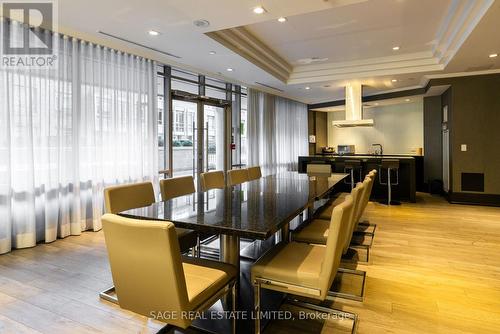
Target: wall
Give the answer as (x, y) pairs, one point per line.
(475, 121)
(433, 141)
(399, 128)
(317, 125)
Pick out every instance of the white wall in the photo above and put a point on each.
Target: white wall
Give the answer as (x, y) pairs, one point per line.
(399, 128)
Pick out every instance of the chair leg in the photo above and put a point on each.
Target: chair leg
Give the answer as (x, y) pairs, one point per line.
(107, 295)
(323, 309)
(358, 298)
(233, 306)
(256, 297)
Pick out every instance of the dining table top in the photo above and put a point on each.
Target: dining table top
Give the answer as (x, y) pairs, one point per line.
(255, 209)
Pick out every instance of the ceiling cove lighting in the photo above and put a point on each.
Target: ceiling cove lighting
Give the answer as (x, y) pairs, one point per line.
(282, 19)
(259, 10)
(493, 55)
(229, 69)
(396, 48)
(153, 33)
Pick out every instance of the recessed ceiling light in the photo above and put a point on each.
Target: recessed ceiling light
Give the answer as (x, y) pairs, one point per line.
(493, 55)
(229, 69)
(201, 23)
(376, 103)
(394, 80)
(407, 100)
(327, 86)
(259, 10)
(282, 19)
(307, 88)
(153, 33)
(396, 48)
(212, 52)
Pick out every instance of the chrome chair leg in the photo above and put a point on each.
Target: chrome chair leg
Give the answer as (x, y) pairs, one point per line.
(109, 295)
(233, 306)
(324, 309)
(257, 307)
(349, 296)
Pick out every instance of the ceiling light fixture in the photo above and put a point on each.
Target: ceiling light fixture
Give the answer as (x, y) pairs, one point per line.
(201, 23)
(376, 103)
(259, 10)
(407, 100)
(493, 55)
(282, 19)
(153, 33)
(396, 48)
(307, 88)
(212, 52)
(229, 69)
(394, 80)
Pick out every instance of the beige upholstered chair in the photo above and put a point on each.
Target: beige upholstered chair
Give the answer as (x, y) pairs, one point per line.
(157, 278)
(254, 173)
(212, 180)
(302, 269)
(327, 211)
(128, 196)
(317, 230)
(131, 196)
(237, 176)
(319, 169)
(176, 186)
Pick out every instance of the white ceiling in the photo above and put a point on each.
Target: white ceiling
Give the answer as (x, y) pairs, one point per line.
(342, 30)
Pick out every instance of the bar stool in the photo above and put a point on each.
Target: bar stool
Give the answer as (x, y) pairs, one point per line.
(389, 165)
(351, 167)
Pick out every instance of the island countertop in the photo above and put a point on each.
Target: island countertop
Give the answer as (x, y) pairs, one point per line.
(405, 190)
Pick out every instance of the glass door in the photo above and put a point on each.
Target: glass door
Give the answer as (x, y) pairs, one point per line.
(213, 138)
(184, 143)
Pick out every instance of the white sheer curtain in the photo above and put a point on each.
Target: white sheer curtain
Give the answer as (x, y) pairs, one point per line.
(277, 132)
(66, 133)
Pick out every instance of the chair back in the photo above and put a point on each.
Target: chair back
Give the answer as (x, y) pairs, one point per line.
(254, 173)
(128, 196)
(357, 197)
(334, 245)
(212, 180)
(176, 186)
(237, 176)
(146, 266)
(319, 169)
(366, 196)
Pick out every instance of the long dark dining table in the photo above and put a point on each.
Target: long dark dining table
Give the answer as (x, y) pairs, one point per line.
(255, 210)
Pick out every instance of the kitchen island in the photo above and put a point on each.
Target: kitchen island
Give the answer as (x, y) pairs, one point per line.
(404, 191)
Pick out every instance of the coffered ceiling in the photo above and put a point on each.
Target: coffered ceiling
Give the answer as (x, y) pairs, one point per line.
(322, 44)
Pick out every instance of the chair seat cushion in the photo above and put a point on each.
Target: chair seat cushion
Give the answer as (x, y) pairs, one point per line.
(315, 232)
(326, 213)
(204, 278)
(293, 263)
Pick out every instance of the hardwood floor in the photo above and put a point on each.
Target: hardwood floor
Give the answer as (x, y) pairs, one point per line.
(435, 268)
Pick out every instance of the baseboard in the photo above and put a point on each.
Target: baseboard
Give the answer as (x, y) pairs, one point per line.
(474, 198)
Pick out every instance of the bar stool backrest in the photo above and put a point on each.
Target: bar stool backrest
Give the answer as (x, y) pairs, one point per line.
(176, 186)
(319, 169)
(212, 180)
(341, 215)
(128, 196)
(146, 266)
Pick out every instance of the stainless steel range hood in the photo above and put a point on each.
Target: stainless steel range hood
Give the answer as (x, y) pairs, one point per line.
(353, 108)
